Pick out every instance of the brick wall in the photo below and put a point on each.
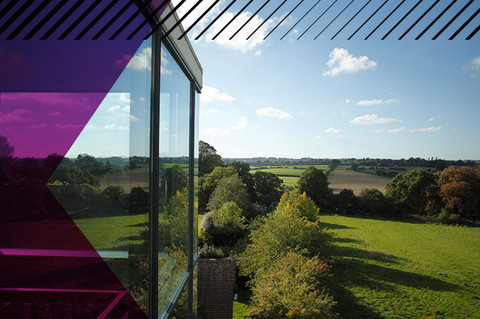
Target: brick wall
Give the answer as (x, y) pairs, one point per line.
(216, 285)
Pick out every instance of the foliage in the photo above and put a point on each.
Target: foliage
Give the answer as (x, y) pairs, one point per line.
(208, 159)
(208, 183)
(277, 234)
(354, 167)
(230, 189)
(268, 187)
(173, 229)
(411, 189)
(116, 194)
(293, 287)
(345, 202)
(138, 201)
(226, 225)
(314, 182)
(305, 206)
(372, 201)
(174, 180)
(459, 190)
(7, 149)
(210, 251)
(88, 163)
(243, 171)
(73, 175)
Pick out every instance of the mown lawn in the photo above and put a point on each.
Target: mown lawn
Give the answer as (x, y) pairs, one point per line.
(388, 269)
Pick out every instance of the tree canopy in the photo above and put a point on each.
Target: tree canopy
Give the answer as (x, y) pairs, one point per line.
(314, 182)
(208, 159)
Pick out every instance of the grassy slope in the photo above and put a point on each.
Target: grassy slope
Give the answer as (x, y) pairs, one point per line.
(386, 269)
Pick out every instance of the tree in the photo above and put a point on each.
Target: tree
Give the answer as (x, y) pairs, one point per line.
(229, 189)
(276, 235)
(226, 226)
(268, 187)
(305, 206)
(208, 183)
(460, 191)
(174, 179)
(411, 189)
(345, 202)
(116, 194)
(208, 159)
(6, 148)
(314, 182)
(372, 201)
(138, 201)
(243, 170)
(88, 163)
(354, 166)
(293, 287)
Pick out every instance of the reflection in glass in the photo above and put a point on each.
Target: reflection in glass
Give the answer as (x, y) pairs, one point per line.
(174, 156)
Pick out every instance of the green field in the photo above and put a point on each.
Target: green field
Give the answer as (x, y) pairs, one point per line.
(388, 269)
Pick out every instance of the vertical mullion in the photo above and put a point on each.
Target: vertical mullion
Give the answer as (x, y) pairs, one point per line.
(154, 176)
(191, 194)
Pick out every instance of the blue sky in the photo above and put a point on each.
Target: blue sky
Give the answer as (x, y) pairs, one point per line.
(339, 98)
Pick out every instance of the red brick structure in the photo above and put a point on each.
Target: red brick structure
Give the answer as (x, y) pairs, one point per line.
(216, 285)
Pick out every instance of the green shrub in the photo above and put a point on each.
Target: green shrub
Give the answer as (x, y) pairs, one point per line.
(293, 287)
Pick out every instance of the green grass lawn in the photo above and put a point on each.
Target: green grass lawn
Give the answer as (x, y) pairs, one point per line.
(388, 269)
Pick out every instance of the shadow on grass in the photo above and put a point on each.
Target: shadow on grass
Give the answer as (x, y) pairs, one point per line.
(333, 226)
(356, 268)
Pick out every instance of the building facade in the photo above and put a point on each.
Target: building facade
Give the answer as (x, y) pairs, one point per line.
(98, 149)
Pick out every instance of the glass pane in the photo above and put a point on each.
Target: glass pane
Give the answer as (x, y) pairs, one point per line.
(174, 157)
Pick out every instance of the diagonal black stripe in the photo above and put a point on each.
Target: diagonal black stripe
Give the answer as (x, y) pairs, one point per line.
(7, 8)
(351, 19)
(28, 19)
(398, 23)
(147, 20)
(218, 17)
(464, 25)
(453, 19)
(45, 19)
(368, 19)
(385, 19)
(80, 19)
(91, 24)
(473, 33)
(198, 20)
(333, 20)
(180, 20)
(436, 19)
(283, 19)
(159, 24)
(238, 13)
(300, 20)
(418, 20)
(253, 15)
(317, 20)
(119, 13)
(266, 20)
(62, 20)
(15, 16)
(130, 19)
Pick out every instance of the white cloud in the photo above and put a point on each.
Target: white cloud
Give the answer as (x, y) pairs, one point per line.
(163, 64)
(210, 94)
(240, 42)
(348, 101)
(270, 111)
(380, 130)
(412, 130)
(258, 53)
(372, 119)
(434, 118)
(195, 14)
(397, 130)
(430, 129)
(216, 130)
(339, 136)
(332, 130)
(318, 136)
(110, 127)
(240, 124)
(476, 64)
(141, 61)
(376, 102)
(341, 61)
(212, 111)
(133, 119)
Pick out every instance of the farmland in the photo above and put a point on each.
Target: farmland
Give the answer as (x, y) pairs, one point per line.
(356, 181)
(289, 174)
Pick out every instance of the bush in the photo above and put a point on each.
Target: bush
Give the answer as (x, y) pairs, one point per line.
(274, 236)
(293, 287)
(224, 226)
(372, 202)
(305, 206)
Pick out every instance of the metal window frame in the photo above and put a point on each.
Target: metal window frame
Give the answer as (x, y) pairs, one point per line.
(187, 278)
